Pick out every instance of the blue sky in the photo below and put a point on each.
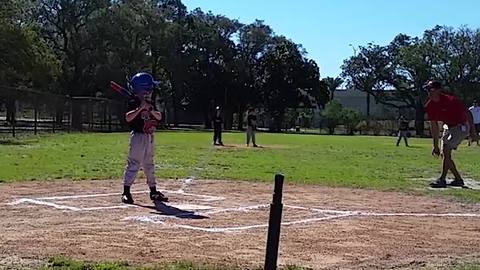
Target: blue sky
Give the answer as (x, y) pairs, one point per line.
(325, 28)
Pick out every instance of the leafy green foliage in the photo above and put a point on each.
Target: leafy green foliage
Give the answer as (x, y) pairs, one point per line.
(335, 114)
(77, 47)
(394, 74)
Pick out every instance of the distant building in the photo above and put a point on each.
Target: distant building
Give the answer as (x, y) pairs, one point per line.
(355, 99)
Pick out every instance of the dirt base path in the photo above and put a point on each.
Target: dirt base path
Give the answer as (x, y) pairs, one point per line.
(225, 223)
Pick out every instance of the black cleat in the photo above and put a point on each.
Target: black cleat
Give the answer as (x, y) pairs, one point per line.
(127, 198)
(457, 183)
(439, 183)
(157, 196)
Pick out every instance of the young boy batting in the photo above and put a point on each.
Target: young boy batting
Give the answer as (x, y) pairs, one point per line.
(143, 120)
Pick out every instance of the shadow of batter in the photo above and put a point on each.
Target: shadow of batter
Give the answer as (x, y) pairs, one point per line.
(168, 210)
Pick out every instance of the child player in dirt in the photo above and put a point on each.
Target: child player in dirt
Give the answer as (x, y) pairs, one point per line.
(143, 120)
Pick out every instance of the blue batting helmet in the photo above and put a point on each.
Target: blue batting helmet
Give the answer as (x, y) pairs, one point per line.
(142, 82)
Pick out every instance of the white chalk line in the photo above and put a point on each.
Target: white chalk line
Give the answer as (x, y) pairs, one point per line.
(317, 210)
(72, 208)
(212, 212)
(235, 209)
(418, 214)
(201, 165)
(72, 197)
(106, 207)
(66, 207)
(154, 219)
(208, 198)
(41, 200)
(337, 214)
(54, 205)
(330, 214)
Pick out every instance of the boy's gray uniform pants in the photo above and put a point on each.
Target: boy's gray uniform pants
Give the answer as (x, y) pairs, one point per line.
(140, 155)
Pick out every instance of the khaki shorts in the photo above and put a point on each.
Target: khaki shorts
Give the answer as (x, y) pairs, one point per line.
(453, 136)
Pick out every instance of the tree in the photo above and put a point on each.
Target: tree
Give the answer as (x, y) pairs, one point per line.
(25, 58)
(332, 84)
(210, 74)
(253, 41)
(286, 80)
(333, 115)
(76, 47)
(351, 119)
(458, 51)
(70, 27)
(394, 74)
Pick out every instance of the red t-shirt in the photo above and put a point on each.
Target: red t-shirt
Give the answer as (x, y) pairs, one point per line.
(448, 109)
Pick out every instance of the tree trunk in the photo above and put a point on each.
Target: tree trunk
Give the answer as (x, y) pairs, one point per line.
(175, 109)
(77, 115)
(276, 125)
(59, 110)
(419, 118)
(240, 118)
(368, 105)
(11, 108)
(228, 123)
(331, 130)
(207, 118)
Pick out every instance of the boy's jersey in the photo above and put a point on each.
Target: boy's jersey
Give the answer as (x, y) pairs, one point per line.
(251, 120)
(144, 122)
(403, 125)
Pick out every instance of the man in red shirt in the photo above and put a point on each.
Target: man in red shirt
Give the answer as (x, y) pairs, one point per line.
(455, 115)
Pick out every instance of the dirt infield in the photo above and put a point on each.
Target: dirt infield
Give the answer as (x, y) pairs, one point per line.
(225, 223)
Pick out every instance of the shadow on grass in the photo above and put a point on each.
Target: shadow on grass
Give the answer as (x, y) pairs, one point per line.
(414, 146)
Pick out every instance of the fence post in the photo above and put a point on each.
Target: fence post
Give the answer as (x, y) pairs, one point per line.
(35, 124)
(274, 224)
(110, 117)
(104, 118)
(13, 124)
(70, 112)
(92, 107)
(14, 117)
(53, 122)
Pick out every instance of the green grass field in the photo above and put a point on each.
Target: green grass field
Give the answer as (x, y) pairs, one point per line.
(338, 161)
(68, 264)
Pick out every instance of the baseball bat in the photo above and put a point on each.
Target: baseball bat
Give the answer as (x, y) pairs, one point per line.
(121, 90)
